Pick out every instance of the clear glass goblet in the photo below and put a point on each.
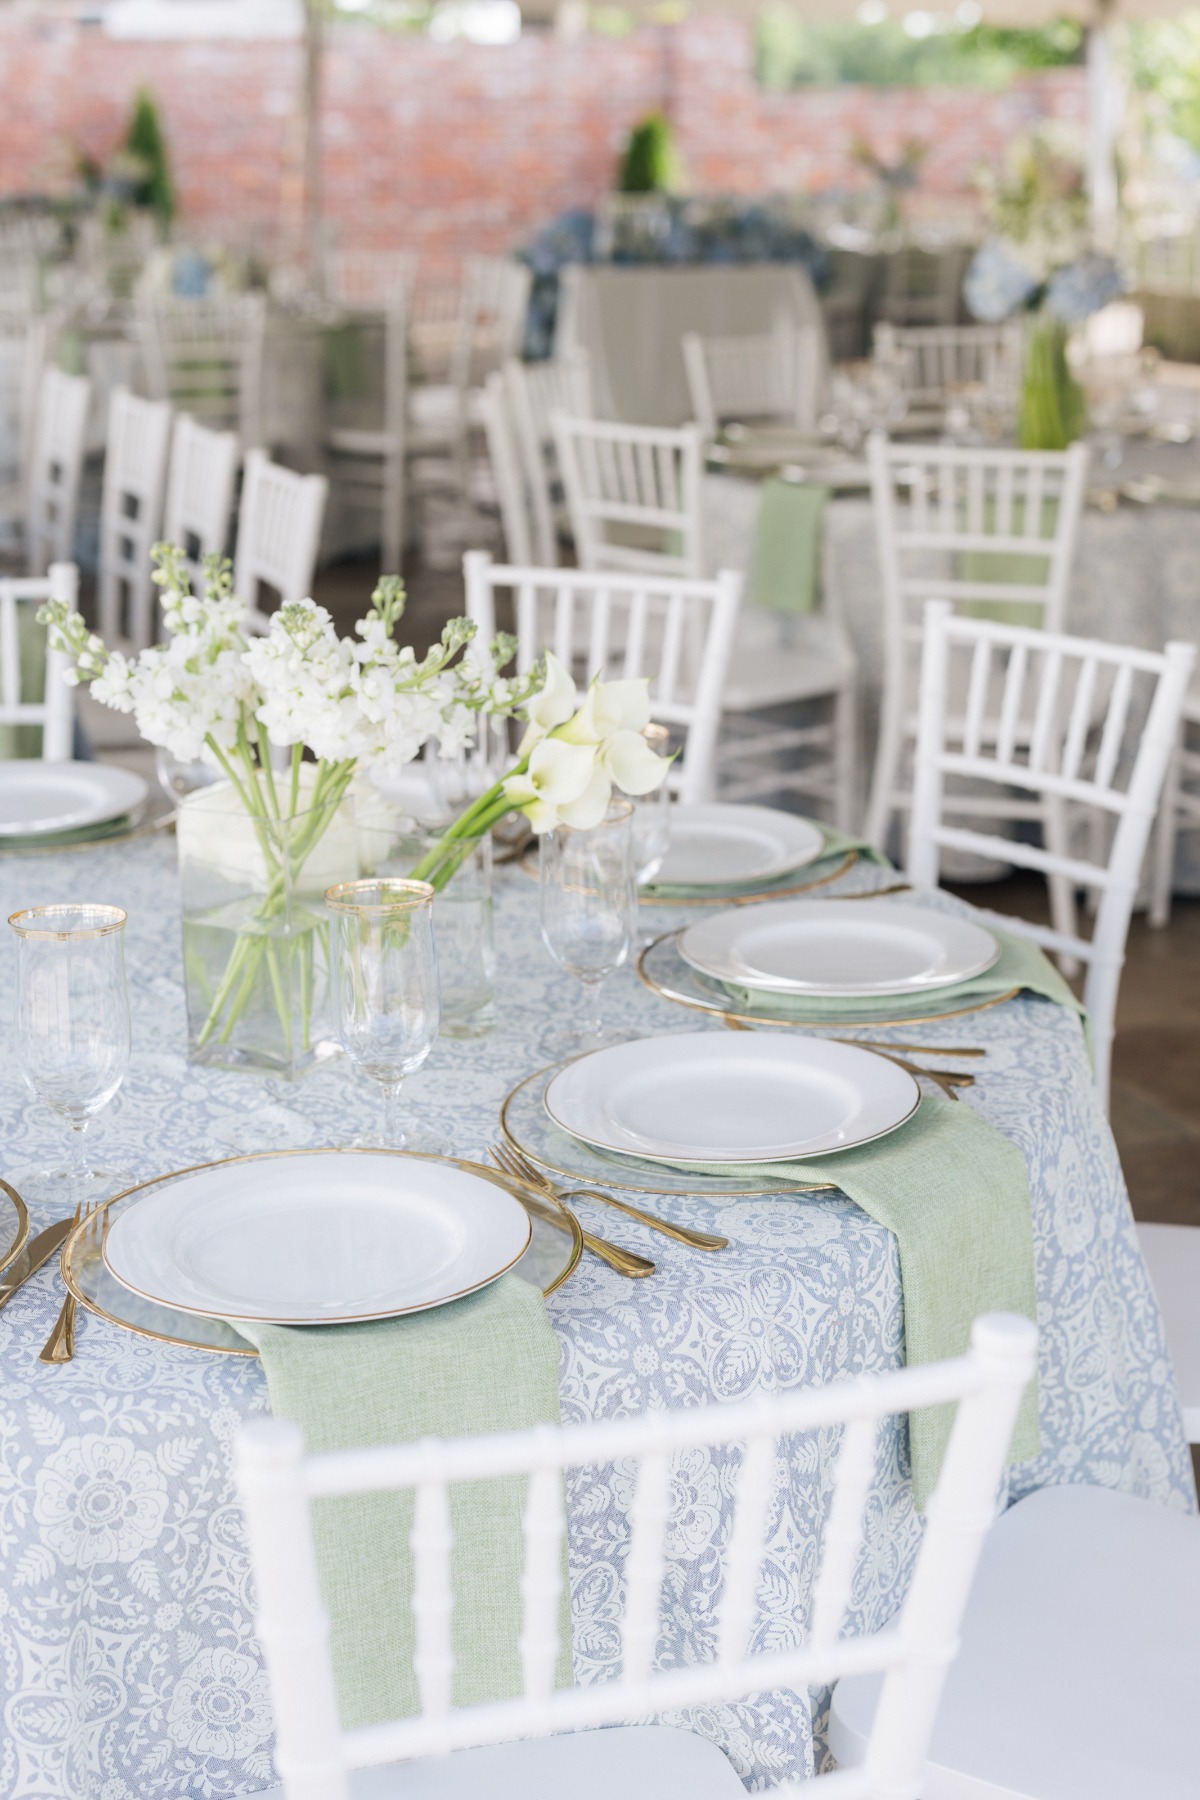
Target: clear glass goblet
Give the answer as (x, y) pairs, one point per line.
(651, 825)
(72, 1038)
(385, 979)
(588, 896)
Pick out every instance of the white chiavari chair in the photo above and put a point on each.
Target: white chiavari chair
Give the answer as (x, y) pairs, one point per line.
(1084, 1597)
(200, 486)
(675, 631)
(772, 376)
(536, 391)
(1180, 810)
(507, 475)
(131, 511)
(371, 281)
(1083, 747)
(55, 467)
(22, 359)
(487, 327)
(279, 530)
(205, 356)
(633, 494)
(368, 464)
(933, 361)
(992, 529)
(54, 709)
(543, 1740)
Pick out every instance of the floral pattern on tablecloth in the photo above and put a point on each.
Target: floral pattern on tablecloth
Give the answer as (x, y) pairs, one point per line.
(129, 1665)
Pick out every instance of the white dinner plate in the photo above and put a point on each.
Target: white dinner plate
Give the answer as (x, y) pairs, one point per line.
(318, 1239)
(766, 1097)
(724, 844)
(839, 948)
(49, 796)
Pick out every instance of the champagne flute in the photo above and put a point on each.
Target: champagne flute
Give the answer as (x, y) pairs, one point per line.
(588, 900)
(72, 1033)
(385, 980)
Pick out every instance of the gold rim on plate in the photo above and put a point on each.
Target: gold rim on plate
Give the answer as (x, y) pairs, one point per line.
(714, 1010)
(161, 826)
(11, 1252)
(84, 1245)
(621, 1178)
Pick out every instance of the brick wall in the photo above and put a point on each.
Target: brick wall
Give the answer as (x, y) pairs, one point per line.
(451, 146)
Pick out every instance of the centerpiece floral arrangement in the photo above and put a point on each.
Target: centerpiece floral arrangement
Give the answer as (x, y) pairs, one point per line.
(296, 722)
(1040, 261)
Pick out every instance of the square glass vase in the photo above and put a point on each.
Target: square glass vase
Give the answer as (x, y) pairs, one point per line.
(256, 930)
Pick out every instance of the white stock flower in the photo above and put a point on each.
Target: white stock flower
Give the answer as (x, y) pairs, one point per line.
(558, 775)
(551, 706)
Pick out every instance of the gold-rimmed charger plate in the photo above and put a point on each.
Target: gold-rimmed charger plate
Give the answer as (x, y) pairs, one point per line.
(530, 1129)
(552, 1257)
(14, 1225)
(144, 828)
(664, 972)
(783, 888)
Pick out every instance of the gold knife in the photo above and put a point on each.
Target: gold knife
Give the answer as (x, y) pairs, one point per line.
(38, 1251)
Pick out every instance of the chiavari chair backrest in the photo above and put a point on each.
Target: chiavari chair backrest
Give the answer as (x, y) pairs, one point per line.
(536, 391)
(131, 511)
(1102, 725)
(371, 281)
(55, 467)
(279, 530)
(494, 299)
(53, 709)
(934, 360)
(205, 357)
(677, 633)
(22, 359)
(200, 486)
(633, 494)
(507, 474)
(278, 1484)
(771, 375)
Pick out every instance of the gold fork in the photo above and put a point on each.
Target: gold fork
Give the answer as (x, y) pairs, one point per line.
(625, 1262)
(60, 1345)
(520, 1166)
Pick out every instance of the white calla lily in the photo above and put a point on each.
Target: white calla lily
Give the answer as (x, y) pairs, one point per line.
(557, 775)
(632, 765)
(552, 706)
(610, 706)
(592, 804)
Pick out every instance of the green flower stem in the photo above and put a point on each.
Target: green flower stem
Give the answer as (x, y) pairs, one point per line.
(447, 856)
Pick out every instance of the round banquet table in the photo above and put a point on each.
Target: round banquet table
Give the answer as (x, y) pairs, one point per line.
(1135, 580)
(129, 1663)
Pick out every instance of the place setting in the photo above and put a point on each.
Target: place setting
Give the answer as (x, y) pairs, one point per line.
(55, 805)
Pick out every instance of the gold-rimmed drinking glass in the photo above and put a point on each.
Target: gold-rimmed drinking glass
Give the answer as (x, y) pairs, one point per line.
(588, 899)
(72, 1036)
(385, 980)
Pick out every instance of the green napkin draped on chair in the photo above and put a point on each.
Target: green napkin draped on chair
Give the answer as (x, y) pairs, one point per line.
(785, 575)
(483, 1364)
(1013, 568)
(955, 1194)
(26, 740)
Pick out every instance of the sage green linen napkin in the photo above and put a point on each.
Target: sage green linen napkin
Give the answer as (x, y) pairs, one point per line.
(1021, 964)
(785, 575)
(837, 844)
(347, 369)
(955, 1193)
(486, 1363)
(63, 840)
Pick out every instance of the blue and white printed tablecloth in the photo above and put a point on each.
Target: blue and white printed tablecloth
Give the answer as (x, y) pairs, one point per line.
(128, 1661)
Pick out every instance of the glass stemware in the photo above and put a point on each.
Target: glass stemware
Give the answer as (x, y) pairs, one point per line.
(72, 1033)
(385, 979)
(588, 909)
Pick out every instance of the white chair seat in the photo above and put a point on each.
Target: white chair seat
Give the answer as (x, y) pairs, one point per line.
(1079, 1669)
(359, 443)
(777, 659)
(1172, 1255)
(626, 1762)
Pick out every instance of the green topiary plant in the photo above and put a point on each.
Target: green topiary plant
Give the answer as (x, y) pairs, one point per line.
(649, 165)
(147, 145)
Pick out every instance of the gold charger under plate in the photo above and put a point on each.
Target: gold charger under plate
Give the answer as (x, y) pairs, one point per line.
(736, 896)
(14, 1225)
(663, 970)
(145, 828)
(530, 1129)
(552, 1257)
